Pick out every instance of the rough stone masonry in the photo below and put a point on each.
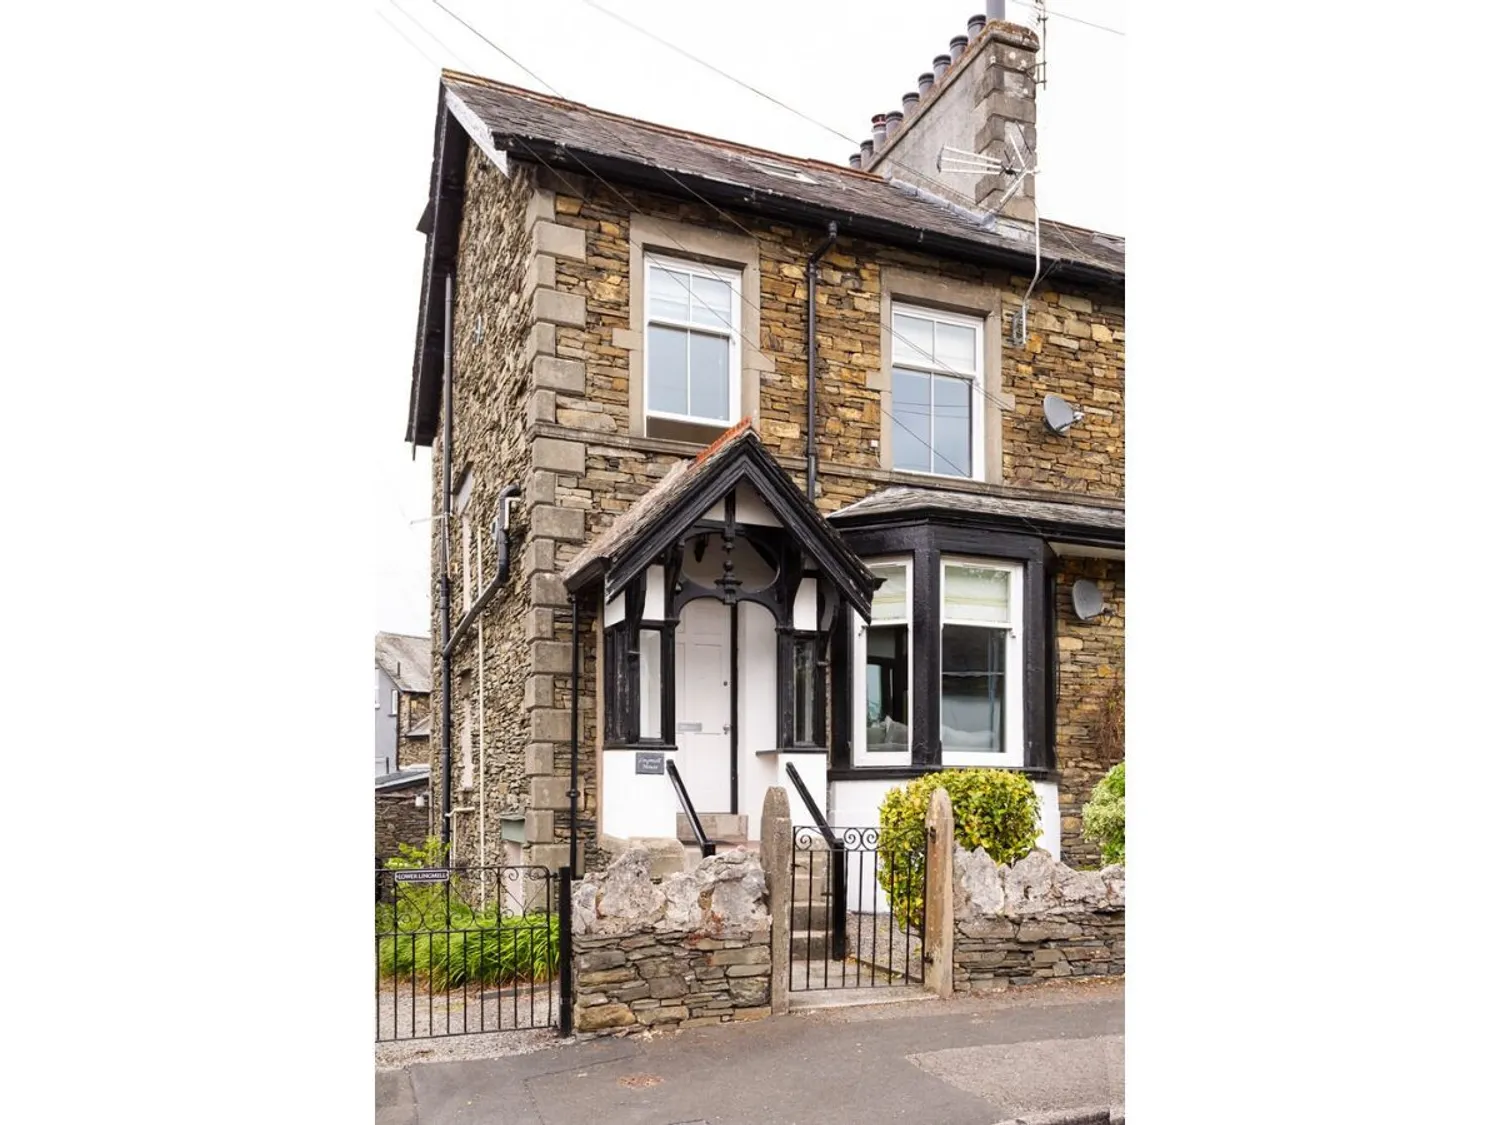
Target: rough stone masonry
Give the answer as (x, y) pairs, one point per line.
(693, 949)
(1033, 921)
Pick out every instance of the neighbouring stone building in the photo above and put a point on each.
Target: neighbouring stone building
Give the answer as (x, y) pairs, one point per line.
(403, 702)
(627, 391)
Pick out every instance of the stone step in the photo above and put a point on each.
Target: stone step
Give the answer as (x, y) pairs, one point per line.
(805, 917)
(717, 826)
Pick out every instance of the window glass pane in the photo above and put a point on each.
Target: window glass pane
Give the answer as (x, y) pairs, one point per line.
(888, 727)
(889, 602)
(650, 686)
(911, 339)
(712, 303)
(669, 293)
(803, 673)
(955, 346)
(973, 688)
(976, 593)
(911, 422)
(952, 425)
(709, 377)
(666, 379)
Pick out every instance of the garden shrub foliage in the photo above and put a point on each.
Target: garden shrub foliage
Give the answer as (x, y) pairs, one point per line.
(1104, 815)
(997, 810)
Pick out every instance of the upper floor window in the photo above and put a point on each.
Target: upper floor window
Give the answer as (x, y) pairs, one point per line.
(937, 383)
(395, 701)
(692, 341)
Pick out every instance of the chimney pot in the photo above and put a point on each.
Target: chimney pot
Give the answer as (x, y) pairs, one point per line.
(856, 159)
(866, 151)
(940, 66)
(893, 122)
(995, 9)
(924, 84)
(976, 25)
(877, 129)
(909, 102)
(956, 46)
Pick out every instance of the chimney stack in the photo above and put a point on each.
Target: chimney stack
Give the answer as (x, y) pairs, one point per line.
(982, 99)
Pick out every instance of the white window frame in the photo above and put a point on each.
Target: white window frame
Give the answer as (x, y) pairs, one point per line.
(975, 377)
(860, 725)
(734, 279)
(1014, 754)
(395, 701)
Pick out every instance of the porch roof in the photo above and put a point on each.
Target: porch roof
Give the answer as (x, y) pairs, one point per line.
(1066, 521)
(689, 488)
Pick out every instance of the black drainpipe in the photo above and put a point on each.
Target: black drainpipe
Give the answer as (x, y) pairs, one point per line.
(812, 359)
(573, 862)
(446, 831)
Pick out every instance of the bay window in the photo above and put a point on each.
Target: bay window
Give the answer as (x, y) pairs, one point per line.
(882, 667)
(980, 696)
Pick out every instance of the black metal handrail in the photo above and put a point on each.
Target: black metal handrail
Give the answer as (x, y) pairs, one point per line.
(840, 872)
(705, 845)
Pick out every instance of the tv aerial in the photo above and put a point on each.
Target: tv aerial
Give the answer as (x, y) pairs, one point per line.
(1088, 602)
(1060, 414)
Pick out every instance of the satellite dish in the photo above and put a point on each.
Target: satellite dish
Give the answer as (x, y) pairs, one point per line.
(1088, 602)
(1059, 413)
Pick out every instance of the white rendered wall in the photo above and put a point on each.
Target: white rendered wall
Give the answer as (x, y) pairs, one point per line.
(757, 710)
(636, 804)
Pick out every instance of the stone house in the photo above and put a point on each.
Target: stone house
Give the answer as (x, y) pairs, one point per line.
(627, 336)
(403, 702)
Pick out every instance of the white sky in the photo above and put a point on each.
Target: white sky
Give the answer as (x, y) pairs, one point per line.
(850, 60)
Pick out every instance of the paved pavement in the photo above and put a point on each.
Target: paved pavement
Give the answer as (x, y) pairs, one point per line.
(1024, 1054)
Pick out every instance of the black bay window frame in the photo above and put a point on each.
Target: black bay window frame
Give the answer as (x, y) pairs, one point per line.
(927, 542)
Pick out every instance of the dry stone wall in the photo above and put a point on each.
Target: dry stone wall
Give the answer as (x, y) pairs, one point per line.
(1035, 920)
(691, 950)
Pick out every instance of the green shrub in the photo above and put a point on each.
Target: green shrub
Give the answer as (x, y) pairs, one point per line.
(430, 932)
(1104, 816)
(997, 810)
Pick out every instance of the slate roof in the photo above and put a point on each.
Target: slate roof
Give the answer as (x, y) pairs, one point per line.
(632, 529)
(407, 660)
(532, 126)
(401, 779)
(1052, 518)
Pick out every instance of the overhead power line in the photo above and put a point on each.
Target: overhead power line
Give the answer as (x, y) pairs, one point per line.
(975, 383)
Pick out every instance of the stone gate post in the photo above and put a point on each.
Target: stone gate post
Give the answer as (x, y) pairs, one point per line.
(937, 930)
(776, 860)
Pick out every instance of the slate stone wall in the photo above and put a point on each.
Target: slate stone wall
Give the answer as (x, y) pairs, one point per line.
(692, 950)
(1034, 921)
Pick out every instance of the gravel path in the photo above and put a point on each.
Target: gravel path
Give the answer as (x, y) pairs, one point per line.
(415, 1026)
(402, 1012)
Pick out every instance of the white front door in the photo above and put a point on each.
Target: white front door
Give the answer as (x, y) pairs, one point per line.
(703, 713)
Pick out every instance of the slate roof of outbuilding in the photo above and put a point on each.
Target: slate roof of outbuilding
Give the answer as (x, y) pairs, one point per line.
(407, 660)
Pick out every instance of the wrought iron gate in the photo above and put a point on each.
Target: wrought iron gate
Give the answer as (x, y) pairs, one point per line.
(857, 906)
(466, 950)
